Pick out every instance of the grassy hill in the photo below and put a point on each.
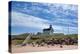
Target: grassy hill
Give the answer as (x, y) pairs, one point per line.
(18, 39)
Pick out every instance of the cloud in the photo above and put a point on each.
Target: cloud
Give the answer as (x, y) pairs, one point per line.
(54, 10)
(20, 19)
(40, 15)
(66, 22)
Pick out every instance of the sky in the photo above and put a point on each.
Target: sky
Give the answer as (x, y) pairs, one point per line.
(32, 17)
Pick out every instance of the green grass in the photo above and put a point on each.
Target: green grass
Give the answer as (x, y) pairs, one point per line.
(20, 39)
(15, 42)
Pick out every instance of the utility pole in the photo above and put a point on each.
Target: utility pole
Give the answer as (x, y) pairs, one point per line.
(68, 28)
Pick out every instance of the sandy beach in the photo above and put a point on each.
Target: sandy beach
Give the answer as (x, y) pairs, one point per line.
(23, 49)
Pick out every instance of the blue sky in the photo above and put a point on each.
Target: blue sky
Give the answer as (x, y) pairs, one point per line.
(33, 17)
